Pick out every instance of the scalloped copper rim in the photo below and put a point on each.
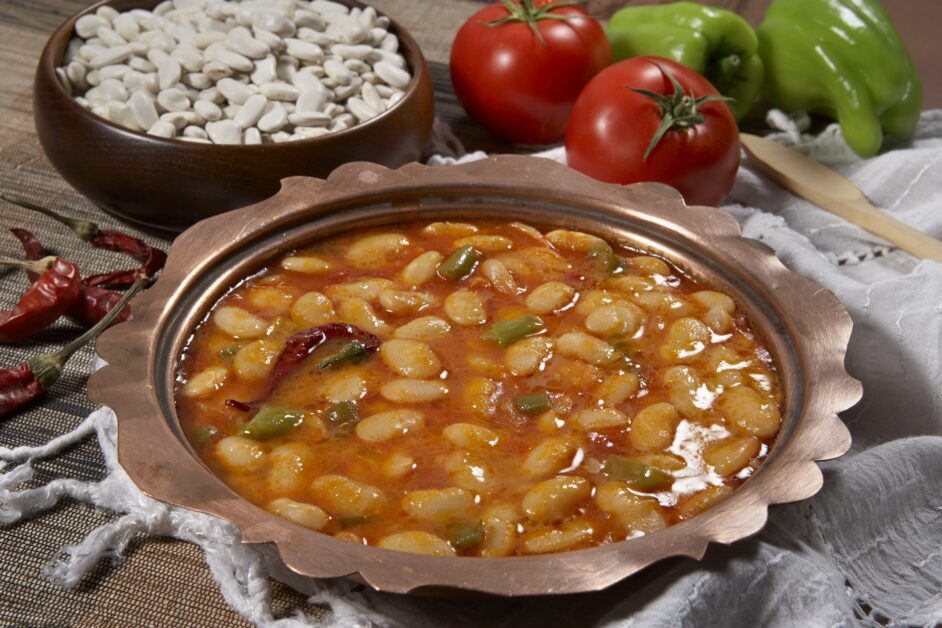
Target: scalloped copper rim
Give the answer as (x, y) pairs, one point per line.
(805, 326)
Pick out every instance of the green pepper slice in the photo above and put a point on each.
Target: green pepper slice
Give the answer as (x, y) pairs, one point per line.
(342, 417)
(352, 352)
(639, 476)
(533, 404)
(205, 435)
(460, 264)
(228, 353)
(606, 258)
(465, 534)
(272, 422)
(507, 332)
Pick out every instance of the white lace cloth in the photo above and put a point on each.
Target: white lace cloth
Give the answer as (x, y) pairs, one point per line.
(866, 550)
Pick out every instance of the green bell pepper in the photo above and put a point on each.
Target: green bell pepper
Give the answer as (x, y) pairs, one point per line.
(717, 43)
(843, 59)
(272, 421)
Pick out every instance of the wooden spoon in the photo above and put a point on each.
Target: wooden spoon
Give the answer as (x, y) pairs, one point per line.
(827, 189)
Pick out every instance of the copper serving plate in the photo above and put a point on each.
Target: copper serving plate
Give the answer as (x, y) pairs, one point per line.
(804, 326)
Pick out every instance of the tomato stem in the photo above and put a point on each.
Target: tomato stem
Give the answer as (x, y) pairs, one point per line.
(526, 12)
(679, 110)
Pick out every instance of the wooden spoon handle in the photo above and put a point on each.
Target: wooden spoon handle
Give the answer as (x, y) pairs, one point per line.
(824, 187)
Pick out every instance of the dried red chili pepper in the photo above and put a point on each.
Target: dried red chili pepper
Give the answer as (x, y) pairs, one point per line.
(151, 259)
(23, 383)
(304, 343)
(49, 297)
(32, 247)
(93, 302)
(301, 346)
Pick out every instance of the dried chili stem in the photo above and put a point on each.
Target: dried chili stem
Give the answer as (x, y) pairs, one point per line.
(151, 259)
(83, 228)
(36, 266)
(48, 367)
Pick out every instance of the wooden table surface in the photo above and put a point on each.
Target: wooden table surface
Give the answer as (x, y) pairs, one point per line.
(165, 582)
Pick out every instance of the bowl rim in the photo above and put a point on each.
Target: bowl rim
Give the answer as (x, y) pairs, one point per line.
(163, 465)
(58, 43)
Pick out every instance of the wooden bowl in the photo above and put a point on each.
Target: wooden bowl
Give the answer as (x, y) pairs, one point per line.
(171, 184)
(803, 325)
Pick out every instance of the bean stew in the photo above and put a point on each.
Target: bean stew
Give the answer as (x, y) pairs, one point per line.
(478, 389)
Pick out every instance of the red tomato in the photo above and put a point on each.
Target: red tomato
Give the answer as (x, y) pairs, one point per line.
(518, 87)
(612, 126)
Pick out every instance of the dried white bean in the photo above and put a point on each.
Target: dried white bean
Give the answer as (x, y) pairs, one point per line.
(360, 109)
(234, 60)
(111, 71)
(372, 98)
(301, 118)
(143, 110)
(274, 42)
(207, 110)
(392, 58)
(216, 71)
(251, 136)
(110, 56)
(173, 100)
(251, 111)
(280, 91)
(188, 56)
(126, 26)
(345, 51)
(240, 40)
(310, 19)
(162, 128)
(87, 25)
(390, 43)
(224, 132)
(236, 92)
(195, 132)
(169, 73)
(397, 77)
(274, 21)
(141, 65)
(179, 119)
(312, 100)
(326, 6)
(274, 120)
(338, 71)
(265, 71)
(109, 37)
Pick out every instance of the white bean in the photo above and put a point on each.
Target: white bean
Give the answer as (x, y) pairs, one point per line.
(236, 92)
(304, 50)
(274, 120)
(251, 111)
(241, 41)
(265, 71)
(143, 110)
(397, 77)
(384, 426)
(222, 52)
(207, 110)
(280, 91)
(173, 100)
